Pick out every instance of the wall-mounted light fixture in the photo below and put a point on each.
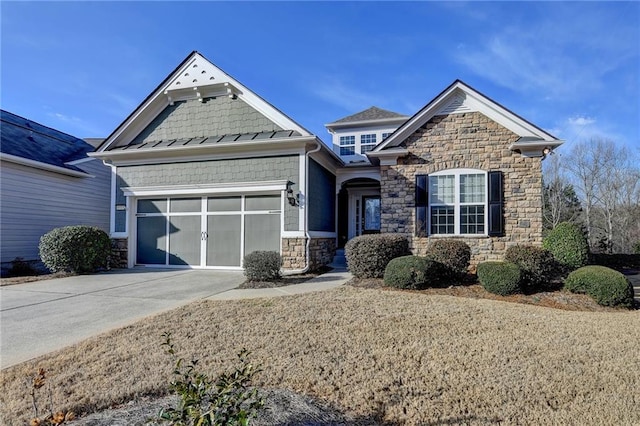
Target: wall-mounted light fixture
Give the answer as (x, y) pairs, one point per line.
(291, 197)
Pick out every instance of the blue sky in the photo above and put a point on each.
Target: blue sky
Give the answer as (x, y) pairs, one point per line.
(571, 68)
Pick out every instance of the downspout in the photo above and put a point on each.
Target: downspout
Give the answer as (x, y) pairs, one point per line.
(306, 213)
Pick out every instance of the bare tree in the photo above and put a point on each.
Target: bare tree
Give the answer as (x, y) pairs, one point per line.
(607, 179)
(587, 167)
(561, 203)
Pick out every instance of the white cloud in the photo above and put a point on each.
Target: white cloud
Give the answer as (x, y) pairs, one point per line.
(580, 121)
(563, 50)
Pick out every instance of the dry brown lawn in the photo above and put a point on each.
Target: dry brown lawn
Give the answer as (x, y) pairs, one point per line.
(380, 356)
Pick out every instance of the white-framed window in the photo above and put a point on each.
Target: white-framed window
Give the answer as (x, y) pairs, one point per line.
(385, 135)
(347, 145)
(458, 202)
(367, 142)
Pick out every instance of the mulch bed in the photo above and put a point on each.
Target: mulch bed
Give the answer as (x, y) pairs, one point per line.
(468, 288)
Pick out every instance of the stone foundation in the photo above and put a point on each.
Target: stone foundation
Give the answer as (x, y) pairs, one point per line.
(321, 252)
(293, 253)
(119, 253)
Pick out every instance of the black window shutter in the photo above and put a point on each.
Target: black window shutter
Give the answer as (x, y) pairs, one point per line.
(496, 220)
(422, 200)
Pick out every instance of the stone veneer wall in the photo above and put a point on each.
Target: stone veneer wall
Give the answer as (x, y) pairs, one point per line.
(293, 253)
(119, 252)
(468, 140)
(321, 251)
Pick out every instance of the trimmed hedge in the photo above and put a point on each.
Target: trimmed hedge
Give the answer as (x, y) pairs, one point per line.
(606, 286)
(413, 272)
(79, 249)
(537, 265)
(454, 254)
(501, 278)
(368, 255)
(616, 260)
(568, 245)
(262, 266)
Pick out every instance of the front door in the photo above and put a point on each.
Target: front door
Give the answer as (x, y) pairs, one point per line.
(370, 214)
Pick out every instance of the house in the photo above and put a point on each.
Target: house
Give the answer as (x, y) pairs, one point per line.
(206, 171)
(46, 181)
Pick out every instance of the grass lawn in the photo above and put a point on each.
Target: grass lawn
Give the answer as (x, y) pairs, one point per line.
(385, 356)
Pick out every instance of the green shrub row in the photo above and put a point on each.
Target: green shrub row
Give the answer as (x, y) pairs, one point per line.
(568, 245)
(454, 254)
(368, 255)
(79, 248)
(414, 272)
(262, 266)
(616, 260)
(606, 286)
(501, 278)
(537, 266)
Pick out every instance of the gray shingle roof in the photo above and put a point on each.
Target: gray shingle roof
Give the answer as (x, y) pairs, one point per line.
(373, 113)
(210, 140)
(33, 141)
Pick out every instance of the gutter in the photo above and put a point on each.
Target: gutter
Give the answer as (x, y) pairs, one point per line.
(43, 166)
(306, 213)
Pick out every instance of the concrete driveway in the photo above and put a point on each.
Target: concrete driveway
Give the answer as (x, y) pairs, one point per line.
(43, 316)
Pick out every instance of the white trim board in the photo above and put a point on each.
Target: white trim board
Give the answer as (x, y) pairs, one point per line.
(198, 189)
(459, 98)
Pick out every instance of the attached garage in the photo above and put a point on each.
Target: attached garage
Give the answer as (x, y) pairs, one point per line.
(206, 231)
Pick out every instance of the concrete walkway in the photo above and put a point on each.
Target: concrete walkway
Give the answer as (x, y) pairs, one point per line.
(326, 281)
(43, 316)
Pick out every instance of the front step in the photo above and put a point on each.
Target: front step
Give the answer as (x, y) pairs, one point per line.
(339, 260)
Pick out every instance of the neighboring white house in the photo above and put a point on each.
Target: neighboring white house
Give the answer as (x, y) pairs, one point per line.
(46, 181)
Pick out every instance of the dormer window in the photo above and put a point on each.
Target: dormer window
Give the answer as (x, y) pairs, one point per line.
(367, 142)
(347, 145)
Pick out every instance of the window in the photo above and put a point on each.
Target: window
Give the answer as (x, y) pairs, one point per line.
(459, 202)
(347, 145)
(367, 142)
(385, 135)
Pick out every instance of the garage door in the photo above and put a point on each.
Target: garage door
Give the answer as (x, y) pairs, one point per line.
(209, 231)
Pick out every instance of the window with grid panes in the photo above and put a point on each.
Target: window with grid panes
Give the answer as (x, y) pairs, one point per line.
(347, 145)
(367, 142)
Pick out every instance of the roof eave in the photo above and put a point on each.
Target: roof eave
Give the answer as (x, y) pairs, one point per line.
(42, 166)
(198, 150)
(377, 121)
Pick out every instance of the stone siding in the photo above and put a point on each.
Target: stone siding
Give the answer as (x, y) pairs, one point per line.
(469, 140)
(119, 253)
(321, 252)
(293, 253)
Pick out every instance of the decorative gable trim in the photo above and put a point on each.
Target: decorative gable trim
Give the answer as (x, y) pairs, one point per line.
(461, 98)
(194, 78)
(458, 104)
